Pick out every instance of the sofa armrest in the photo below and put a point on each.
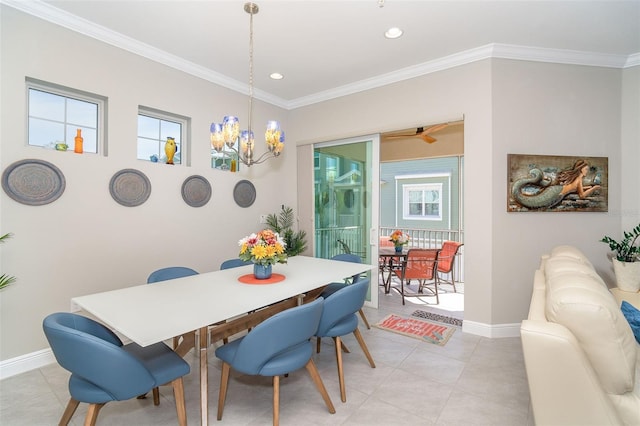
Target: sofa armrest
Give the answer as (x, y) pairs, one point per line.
(564, 388)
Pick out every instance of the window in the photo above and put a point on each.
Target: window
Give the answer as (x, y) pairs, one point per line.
(422, 202)
(56, 113)
(154, 127)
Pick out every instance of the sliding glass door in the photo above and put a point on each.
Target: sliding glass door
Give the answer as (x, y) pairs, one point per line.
(346, 187)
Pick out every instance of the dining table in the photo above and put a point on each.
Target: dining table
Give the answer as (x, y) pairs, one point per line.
(188, 306)
(390, 259)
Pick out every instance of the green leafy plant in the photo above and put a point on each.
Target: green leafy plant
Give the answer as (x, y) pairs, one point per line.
(282, 223)
(5, 279)
(626, 250)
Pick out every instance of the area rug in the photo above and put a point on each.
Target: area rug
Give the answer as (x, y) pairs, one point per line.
(427, 331)
(437, 317)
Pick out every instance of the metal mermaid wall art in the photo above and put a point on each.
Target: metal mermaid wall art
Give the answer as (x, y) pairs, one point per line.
(557, 183)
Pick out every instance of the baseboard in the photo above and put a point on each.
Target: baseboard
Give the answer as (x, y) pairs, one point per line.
(24, 363)
(39, 359)
(491, 331)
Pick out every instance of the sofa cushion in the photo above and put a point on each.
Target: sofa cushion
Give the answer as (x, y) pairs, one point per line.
(578, 299)
(573, 252)
(633, 318)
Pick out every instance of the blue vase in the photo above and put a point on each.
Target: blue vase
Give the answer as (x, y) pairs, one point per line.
(261, 272)
(398, 249)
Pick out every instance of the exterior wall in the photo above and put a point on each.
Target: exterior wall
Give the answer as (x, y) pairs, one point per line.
(443, 170)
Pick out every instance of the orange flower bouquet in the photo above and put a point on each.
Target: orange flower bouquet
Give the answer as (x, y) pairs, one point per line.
(399, 238)
(264, 248)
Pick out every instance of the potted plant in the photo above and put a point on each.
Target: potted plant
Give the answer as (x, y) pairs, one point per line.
(399, 239)
(282, 223)
(264, 249)
(626, 262)
(5, 279)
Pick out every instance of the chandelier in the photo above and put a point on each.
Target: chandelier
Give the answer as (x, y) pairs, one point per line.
(228, 132)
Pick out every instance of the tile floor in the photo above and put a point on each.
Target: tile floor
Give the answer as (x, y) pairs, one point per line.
(470, 381)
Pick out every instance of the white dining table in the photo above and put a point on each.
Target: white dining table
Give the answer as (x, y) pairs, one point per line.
(149, 314)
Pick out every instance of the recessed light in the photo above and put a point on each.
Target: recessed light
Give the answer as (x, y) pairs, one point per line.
(392, 33)
(276, 76)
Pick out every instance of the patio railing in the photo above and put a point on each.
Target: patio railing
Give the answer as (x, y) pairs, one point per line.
(336, 240)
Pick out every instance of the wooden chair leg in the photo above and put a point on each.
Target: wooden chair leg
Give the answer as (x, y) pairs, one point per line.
(364, 319)
(276, 400)
(318, 339)
(363, 345)
(224, 382)
(343, 392)
(341, 344)
(315, 376)
(72, 406)
(92, 414)
(178, 395)
(156, 396)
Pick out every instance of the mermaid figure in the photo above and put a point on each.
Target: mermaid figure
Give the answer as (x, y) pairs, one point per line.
(547, 195)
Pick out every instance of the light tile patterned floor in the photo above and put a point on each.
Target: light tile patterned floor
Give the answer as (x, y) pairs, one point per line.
(469, 381)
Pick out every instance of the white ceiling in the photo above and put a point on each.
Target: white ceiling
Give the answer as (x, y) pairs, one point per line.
(329, 48)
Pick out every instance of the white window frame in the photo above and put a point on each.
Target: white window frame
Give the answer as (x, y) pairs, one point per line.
(185, 126)
(73, 94)
(422, 187)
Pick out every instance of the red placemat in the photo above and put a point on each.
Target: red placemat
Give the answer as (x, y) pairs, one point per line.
(250, 279)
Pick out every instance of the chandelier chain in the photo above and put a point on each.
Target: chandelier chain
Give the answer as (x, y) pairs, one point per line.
(251, 13)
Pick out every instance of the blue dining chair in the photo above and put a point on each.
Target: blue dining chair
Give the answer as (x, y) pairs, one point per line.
(104, 370)
(275, 347)
(234, 263)
(170, 273)
(333, 287)
(339, 319)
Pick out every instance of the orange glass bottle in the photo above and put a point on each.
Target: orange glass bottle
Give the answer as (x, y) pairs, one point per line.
(79, 141)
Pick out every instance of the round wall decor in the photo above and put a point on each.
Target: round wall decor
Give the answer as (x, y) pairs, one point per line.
(196, 191)
(33, 182)
(244, 193)
(130, 187)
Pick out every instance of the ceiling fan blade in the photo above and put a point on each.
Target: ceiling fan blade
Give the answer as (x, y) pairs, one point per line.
(434, 128)
(427, 138)
(400, 136)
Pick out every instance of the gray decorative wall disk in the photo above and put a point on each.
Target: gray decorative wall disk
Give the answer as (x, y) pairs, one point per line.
(244, 193)
(33, 182)
(196, 191)
(130, 187)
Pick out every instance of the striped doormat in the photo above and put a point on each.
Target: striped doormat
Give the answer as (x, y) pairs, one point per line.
(427, 331)
(437, 317)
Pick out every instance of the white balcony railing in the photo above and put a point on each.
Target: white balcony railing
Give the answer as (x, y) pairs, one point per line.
(335, 240)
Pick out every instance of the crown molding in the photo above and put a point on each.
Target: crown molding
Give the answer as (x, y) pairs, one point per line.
(57, 16)
(558, 56)
(632, 60)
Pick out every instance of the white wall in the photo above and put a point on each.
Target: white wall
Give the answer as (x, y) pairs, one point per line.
(549, 109)
(508, 107)
(439, 97)
(630, 155)
(85, 242)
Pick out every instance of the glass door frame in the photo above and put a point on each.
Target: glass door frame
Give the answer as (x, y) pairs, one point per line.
(371, 202)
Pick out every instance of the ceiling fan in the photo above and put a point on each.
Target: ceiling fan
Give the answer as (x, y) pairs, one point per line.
(422, 133)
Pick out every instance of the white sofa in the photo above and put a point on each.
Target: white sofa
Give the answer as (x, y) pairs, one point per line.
(580, 354)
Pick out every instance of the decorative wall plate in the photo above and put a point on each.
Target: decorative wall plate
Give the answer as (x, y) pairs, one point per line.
(130, 187)
(244, 193)
(33, 182)
(196, 191)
